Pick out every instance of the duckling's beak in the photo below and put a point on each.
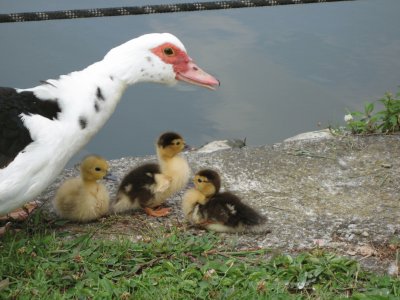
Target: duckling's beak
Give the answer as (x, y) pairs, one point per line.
(187, 147)
(190, 185)
(110, 177)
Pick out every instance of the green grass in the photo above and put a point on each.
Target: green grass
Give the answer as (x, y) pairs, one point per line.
(47, 264)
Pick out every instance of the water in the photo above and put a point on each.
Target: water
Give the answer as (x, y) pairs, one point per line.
(283, 70)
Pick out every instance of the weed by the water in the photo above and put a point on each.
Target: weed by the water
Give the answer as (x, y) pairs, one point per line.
(385, 121)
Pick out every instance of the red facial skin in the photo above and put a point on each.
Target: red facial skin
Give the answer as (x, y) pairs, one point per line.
(183, 66)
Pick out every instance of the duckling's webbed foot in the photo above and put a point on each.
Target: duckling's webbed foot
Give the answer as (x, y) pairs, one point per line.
(205, 223)
(158, 212)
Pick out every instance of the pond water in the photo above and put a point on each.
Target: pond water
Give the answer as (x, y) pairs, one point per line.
(283, 70)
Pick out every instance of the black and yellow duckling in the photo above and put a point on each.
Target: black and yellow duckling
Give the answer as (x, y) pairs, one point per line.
(83, 199)
(148, 186)
(207, 207)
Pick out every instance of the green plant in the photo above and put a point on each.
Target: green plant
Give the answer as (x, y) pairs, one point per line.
(385, 121)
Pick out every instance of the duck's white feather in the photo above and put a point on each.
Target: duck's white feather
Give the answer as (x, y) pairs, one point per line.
(56, 141)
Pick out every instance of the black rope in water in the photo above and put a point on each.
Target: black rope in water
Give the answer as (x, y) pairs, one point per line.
(148, 9)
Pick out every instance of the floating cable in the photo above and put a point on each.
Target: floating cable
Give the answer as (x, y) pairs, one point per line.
(148, 9)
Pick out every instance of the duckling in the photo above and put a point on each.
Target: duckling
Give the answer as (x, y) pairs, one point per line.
(206, 206)
(149, 185)
(83, 199)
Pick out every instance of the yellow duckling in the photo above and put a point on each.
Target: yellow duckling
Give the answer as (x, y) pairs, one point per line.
(83, 199)
(150, 185)
(206, 206)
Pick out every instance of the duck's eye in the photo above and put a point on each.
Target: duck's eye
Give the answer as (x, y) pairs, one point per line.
(97, 169)
(169, 51)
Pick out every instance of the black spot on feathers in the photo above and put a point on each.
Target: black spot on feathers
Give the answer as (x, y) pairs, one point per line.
(99, 94)
(83, 122)
(14, 136)
(96, 106)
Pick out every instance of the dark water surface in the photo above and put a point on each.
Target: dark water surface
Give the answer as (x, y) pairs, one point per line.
(284, 70)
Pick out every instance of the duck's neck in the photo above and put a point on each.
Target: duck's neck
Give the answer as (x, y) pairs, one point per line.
(87, 99)
(90, 185)
(166, 161)
(105, 89)
(177, 168)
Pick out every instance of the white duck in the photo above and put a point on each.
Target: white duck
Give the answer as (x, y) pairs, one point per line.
(41, 128)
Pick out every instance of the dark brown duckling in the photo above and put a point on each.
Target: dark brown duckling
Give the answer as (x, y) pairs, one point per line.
(218, 211)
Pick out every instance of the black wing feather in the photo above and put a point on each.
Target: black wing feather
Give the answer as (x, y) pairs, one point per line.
(221, 206)
(14, 136)
(139, 180)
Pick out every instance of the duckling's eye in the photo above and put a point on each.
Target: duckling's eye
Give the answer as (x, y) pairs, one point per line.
(178, 143)
(199, 180)
(169, 51)
(97, 169)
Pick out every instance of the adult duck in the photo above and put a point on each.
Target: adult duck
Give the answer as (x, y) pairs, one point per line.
(41, 128)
